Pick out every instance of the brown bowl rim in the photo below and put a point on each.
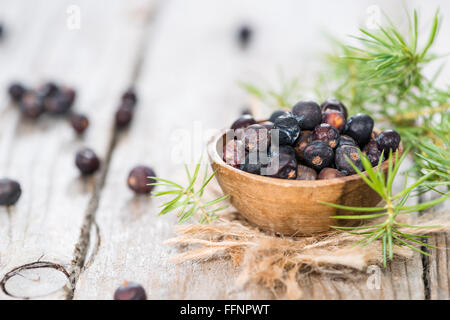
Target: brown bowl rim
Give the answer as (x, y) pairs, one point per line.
(214, 157)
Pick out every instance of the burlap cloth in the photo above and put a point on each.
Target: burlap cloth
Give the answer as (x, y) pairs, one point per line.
(275, 261)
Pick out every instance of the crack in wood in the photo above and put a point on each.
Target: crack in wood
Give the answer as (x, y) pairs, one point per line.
(82, 246)
(34, 265)
(9, 214)
(95, 248)
(426, 272)
(425, 260)
(80, 255)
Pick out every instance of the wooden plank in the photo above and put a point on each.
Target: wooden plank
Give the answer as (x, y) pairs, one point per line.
(45, 224)
(439, 268)
(16, 44)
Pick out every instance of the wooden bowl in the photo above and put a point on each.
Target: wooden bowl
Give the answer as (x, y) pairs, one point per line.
(289, 207)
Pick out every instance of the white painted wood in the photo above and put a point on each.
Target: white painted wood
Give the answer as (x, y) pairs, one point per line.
(439, 268)
(46, 221)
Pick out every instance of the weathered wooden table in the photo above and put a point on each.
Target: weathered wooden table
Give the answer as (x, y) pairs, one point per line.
(183, 59)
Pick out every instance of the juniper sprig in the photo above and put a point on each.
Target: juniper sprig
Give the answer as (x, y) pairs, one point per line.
(389, 228)
(384, 76)
(187, 201)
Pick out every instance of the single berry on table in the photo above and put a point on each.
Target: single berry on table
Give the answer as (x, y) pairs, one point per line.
(326, 133)
(306, 173)
(79, 123)
(16, 91)
(388, 140)
(330, 173)
(124, 115)
(130, 291)
(334, 104)
(348, 152)
(244, 35)
(138, 179)
(87, 161)
(10, 192)
(308, 114)
(335, 119)
(288, 129)
(318, 155)
(360, 127)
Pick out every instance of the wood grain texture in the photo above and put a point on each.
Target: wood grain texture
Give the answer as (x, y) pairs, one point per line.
(439, 268)
(186, 66)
